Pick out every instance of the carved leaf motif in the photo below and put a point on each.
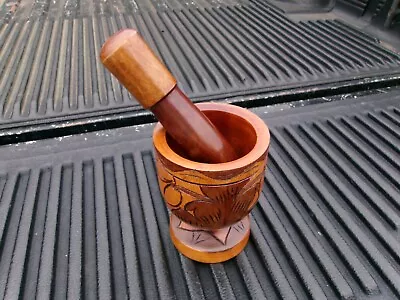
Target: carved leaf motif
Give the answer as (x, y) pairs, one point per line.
(223, 193)
(220, 205)
(199, 237)
(224, 198)
(192, 193)
(248, 196)
(206, 211)
(187, 217)
(204, 178)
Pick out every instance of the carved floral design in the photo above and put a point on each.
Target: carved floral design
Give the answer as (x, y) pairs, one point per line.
(211, 206)
(200, 235)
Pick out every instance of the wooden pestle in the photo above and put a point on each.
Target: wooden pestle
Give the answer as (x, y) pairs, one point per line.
(133, 63)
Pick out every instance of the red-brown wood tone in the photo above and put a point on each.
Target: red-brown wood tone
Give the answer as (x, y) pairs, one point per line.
(210, 203)
(132, 62)
(192, 130)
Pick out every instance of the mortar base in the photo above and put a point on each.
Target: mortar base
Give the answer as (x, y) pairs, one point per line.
(209, 246)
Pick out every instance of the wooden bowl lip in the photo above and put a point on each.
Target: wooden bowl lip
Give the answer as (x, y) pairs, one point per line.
(259, 149)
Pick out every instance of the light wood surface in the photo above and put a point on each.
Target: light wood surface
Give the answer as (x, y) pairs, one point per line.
(133, 63)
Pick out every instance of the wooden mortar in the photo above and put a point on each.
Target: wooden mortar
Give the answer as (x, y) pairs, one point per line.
(210, 203)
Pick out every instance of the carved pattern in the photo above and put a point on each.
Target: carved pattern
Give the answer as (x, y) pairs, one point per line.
(239, 227)
(212, 206)
(200, 235)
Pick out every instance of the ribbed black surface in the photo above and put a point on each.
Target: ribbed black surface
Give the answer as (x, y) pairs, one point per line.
(82, 216)
(358, 6)
(379, 5)
(49, 67)
(31, 9)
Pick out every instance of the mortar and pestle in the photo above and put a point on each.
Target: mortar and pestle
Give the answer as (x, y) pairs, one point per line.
(210, 157)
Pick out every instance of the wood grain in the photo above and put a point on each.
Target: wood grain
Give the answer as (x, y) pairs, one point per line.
(197, 137)
(134, 64)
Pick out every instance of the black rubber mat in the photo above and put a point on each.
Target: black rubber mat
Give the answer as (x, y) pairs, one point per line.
(357, 6)
(82, 216)
(49, 66)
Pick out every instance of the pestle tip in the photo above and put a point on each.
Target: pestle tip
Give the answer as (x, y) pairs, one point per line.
(115, 42)
(126, 55)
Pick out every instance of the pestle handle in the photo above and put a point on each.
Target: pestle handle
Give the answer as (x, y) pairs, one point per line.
(130, 59)
(192, 130)
(134, 64)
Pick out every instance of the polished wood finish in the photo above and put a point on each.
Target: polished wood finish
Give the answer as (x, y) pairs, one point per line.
(131, 60)
(192, 130)
(133, 63)
(213, 197)
(210, 257)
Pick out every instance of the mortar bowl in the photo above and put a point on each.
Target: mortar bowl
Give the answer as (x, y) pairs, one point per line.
(210, 203)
